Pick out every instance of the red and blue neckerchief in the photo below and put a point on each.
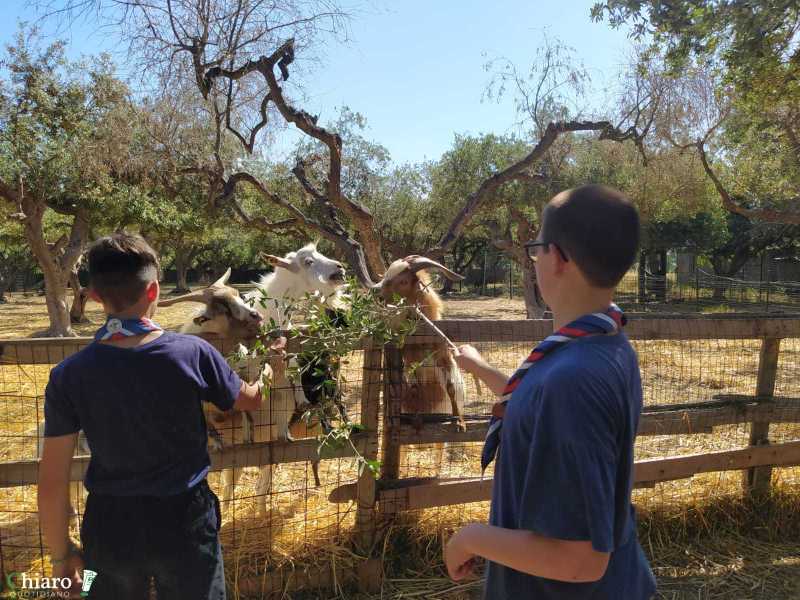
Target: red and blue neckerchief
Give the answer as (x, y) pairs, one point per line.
(599, 323)
(116, 329)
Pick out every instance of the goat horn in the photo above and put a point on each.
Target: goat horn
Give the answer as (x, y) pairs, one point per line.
(222, 281)
(419, 263)
(190, 297)
(277, 261)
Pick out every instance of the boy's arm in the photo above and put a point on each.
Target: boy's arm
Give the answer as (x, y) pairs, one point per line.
(525, 551)
(249, 398)
(565, 494)
(53, 493)
(470, 360)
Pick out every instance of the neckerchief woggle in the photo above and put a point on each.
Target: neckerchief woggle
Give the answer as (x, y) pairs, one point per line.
(117, 329)
(599, 323)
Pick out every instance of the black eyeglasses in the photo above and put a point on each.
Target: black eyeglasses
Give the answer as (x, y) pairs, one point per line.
(530, 248)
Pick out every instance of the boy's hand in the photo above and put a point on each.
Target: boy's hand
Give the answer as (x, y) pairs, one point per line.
(459, 561)
(72, 569)
(468, 358)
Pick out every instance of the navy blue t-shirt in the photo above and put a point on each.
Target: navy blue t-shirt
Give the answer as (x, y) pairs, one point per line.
(140, 409)
(564, 468)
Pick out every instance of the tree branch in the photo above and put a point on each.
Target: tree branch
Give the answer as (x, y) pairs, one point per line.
(760, 214)
(477, 199)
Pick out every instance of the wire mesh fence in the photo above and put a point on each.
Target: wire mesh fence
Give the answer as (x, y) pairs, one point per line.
(704, 291)
(702, 379)
(275, 515)
(495, 274)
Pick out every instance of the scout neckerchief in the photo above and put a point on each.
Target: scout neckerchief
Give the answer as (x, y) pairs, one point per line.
(599, 323)
(116, 329)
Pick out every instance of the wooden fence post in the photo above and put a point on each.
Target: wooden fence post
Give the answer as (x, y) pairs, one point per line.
(757, 479)
(369, 572)
(392, 394)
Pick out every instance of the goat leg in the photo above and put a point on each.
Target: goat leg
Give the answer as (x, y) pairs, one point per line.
(478, 387)
(337, 400)
(216, 438)
(315, 470)
(451, 391)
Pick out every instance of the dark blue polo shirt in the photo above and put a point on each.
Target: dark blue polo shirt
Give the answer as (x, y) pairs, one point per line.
(564, 469)
(141, 411)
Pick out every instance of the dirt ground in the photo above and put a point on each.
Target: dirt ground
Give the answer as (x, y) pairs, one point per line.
(26, 314)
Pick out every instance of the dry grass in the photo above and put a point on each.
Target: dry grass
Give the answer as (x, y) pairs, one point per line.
(25, 315)
(702, 541)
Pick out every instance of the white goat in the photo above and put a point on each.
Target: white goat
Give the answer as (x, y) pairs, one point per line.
(299, 273)
(306, 271)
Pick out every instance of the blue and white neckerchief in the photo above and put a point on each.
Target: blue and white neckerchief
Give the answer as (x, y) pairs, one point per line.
(599, 323)
(117, 329)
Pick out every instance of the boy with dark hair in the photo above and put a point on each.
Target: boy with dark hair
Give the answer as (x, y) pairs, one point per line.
(136, 392)
(561, 523)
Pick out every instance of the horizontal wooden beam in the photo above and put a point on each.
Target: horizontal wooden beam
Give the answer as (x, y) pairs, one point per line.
(446, 492)
(26, 472)
(701, 417)
(681, 467)
(640, 327)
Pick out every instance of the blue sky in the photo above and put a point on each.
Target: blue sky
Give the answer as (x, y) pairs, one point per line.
(414, 68)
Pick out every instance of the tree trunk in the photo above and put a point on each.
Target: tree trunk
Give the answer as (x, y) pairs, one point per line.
(658, 268)
(642, 276)
(534, 304)
(56, 261)
(181, 269)
(6, 282)
(55, 291)
(80, 296)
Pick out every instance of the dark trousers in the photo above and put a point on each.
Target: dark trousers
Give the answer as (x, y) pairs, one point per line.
(174, 539)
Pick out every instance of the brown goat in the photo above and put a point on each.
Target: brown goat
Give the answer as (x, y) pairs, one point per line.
(435, 385)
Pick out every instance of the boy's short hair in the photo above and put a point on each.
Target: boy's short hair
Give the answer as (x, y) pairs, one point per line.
(598, 228)
(121, 266)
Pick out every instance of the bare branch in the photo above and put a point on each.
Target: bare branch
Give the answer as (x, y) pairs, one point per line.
(476, 200)
(761, 214)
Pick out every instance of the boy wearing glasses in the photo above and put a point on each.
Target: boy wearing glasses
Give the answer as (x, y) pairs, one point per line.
(561, 523)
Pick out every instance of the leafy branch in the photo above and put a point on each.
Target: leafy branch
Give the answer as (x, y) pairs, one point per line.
(326, 332)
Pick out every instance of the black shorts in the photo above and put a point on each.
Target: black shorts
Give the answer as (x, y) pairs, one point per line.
(174, 539)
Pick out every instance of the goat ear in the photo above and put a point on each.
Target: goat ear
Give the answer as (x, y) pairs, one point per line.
(420, 263)
(278, 262)
(222, 281)
(191, 297)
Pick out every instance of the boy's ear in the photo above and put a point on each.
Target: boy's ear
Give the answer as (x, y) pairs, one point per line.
(560, 263)
(152, 291)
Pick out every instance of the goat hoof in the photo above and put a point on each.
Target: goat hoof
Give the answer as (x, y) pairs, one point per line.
(461, 425)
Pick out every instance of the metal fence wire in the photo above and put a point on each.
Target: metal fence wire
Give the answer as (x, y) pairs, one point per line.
(714, 389)
(495, 274)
